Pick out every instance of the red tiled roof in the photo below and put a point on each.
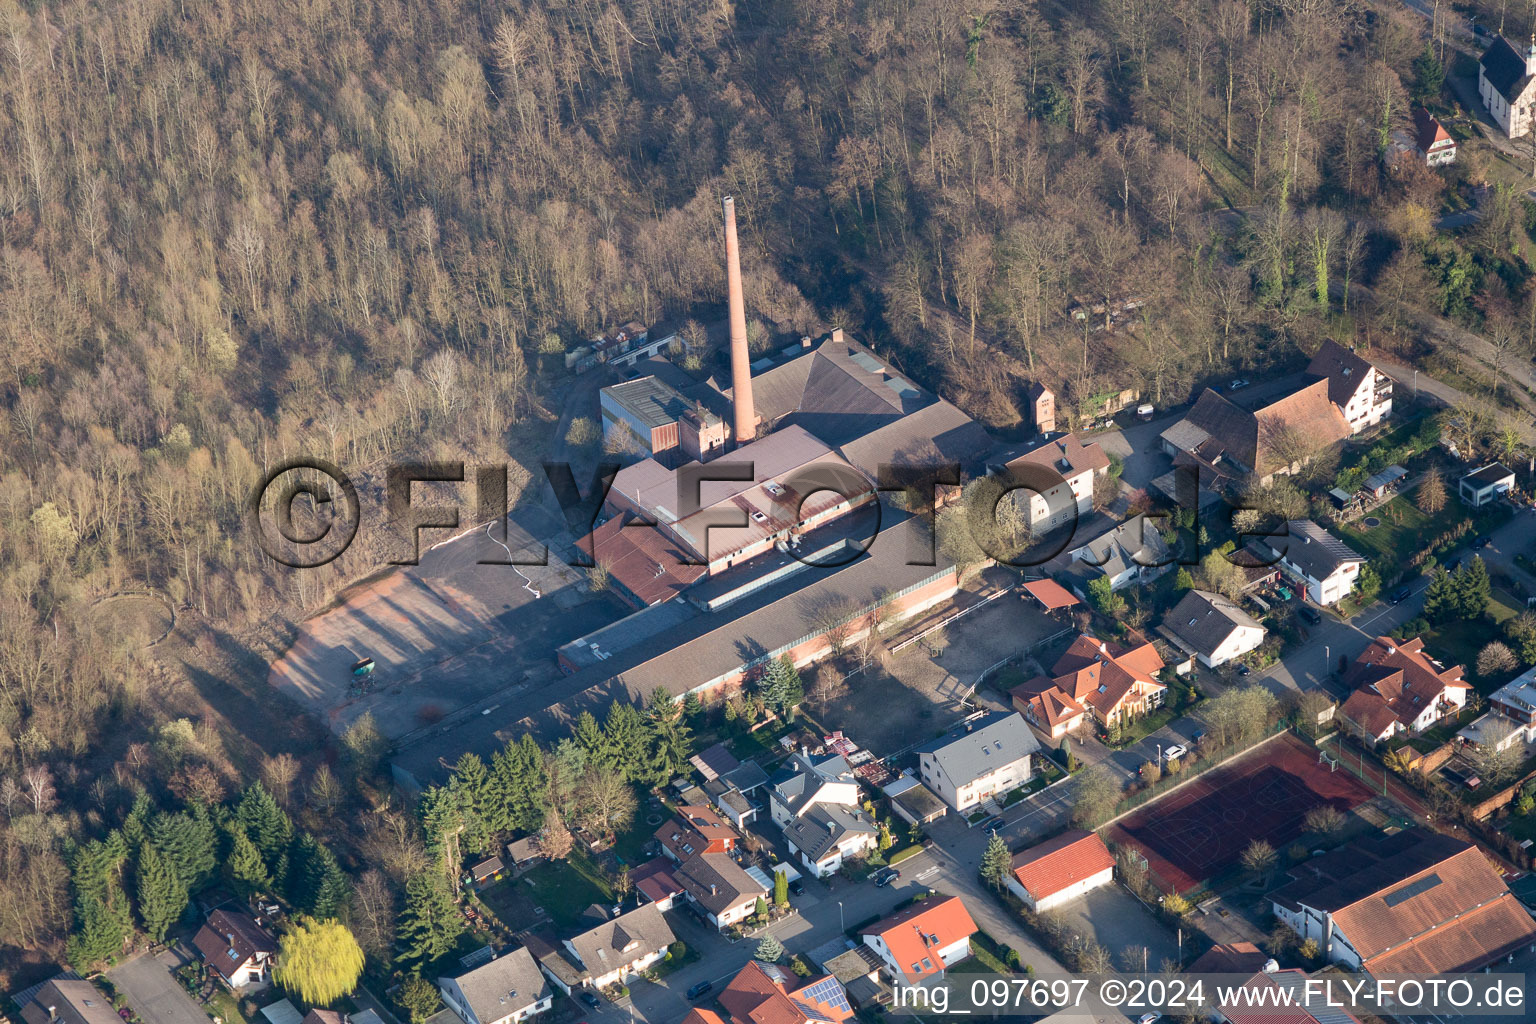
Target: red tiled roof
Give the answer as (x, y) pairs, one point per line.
(1095, 673)
(234, 933)
(1457, 915)
(1060, 863)
(1229, 958)
(1080, 457)
(1427, 129)
(698, 1016)
(1049, 707)
(654, 879)
(1395, 681)
(760, 994)
(1051, 594)
(633, 553)
(696, 828)
(917, 932)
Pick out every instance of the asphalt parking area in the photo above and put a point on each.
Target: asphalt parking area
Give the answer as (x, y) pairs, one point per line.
(147, 985)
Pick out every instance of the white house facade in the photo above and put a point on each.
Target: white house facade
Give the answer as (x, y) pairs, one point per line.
(1060, 870)
(987, 756)
(1319, 561)
(1506, 83)
(508, 989)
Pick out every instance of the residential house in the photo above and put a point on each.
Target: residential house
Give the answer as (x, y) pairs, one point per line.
(1416, 902)
(656, 884)
(719, 888)
(925, 938)
(1276, 439)
(767, 994)
(987, 755)
(816, 804)
(826, 835)
(505, 989)
(1239, 957)
(1506, 82)
(1432, 142)
(67, 999)
(1052, 711)
(1211, 628)
(1516, 700)
(696, 829)
(1060, 869)
(1129, 552)
(1484, 485)
(1061, 470)
(1321, 563)
(1398, 689)
(618, 949)
(1361, 392)
(236, 947)
(1109, 682)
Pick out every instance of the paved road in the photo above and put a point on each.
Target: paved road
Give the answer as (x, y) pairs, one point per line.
(826, 910)
(157, 997)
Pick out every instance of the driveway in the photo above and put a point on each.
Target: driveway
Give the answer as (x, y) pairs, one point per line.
(147, 985)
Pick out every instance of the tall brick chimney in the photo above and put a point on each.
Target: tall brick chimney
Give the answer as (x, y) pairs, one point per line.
(744, 415)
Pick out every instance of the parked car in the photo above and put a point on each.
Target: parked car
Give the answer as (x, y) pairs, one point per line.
(1175, 752)
(1481, 543)
(993, 825)
(885, 876)
(797, 888)
(590, 999)
(1198, 736)
(1242, 669)
(1239, 383)
(1400, 595)
(1309, 613)
(699, 989)
(1149, 1018)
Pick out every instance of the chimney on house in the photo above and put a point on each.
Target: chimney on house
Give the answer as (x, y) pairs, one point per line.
(744, 415)
(1530, 56)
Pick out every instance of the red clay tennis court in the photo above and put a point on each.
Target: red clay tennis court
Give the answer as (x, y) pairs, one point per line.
(1201, 829)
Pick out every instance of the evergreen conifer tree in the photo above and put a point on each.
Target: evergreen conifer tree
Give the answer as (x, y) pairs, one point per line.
(429, 923)
(162, 893)
(995, 861)
(247, 871)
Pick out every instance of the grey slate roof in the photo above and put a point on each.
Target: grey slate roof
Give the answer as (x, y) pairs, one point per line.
(650, 400)
(824, 826)
(1203, 620)
(802, 777)
(1489, 475)
(1314, 550)
(624, 939)
(74, 1002)
(504, 985)
(982, 745)
(715, 882)
(1137, 542)
(1504, 67)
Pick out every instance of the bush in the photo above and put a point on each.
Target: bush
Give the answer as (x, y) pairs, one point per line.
(678, 949)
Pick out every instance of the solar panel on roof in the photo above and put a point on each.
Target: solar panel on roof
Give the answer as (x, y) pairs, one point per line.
(829, 992)
(1412, 889)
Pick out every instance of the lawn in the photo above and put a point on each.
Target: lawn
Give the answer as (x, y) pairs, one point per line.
(565, 888)
(1521, 828)
(1405, 531)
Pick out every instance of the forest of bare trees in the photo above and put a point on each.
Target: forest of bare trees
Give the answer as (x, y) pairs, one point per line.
(238, 231)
